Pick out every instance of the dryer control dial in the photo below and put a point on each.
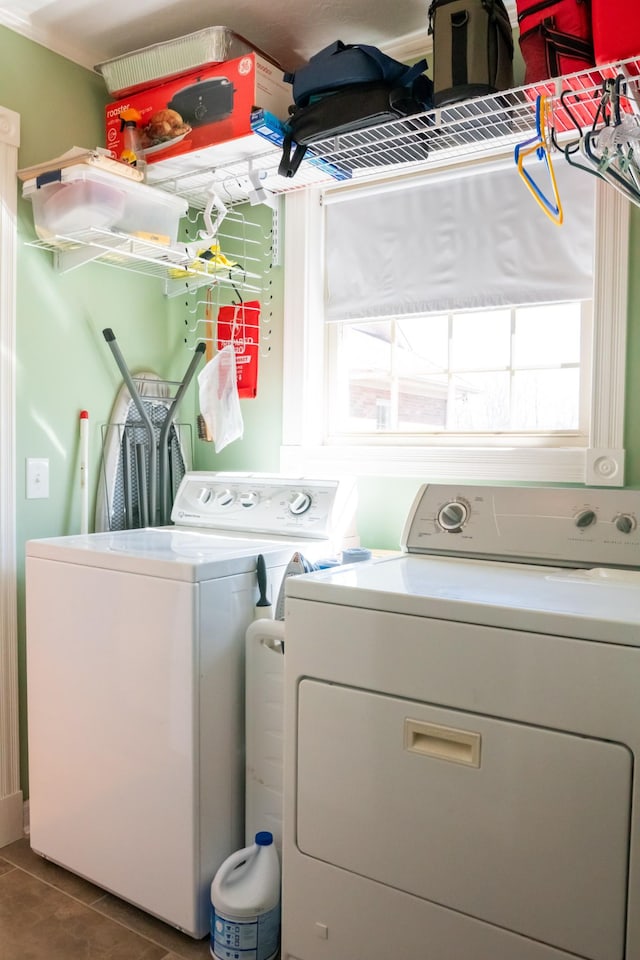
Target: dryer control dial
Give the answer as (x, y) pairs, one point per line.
(453, 516)
(299, 503)
(205, 495)
(585, 518)
(625, 523)
(249, 498)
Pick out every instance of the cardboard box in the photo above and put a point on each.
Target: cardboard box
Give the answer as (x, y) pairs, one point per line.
(200, 108)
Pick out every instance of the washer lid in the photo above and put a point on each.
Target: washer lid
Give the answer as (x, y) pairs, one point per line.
(598, 604)
(173, 552)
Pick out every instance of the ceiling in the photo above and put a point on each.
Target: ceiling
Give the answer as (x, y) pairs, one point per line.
(91, 31)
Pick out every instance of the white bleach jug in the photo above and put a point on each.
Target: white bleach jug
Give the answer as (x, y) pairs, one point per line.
(245, 903)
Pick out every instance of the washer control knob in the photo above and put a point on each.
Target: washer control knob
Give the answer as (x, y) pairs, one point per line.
(299, 503)
(205, 495)
(585, 518)
(225, 498)
(249, 499)
(625, 523)
(453, 516)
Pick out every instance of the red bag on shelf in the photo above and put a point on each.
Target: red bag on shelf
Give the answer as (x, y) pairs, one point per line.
(239, 324)
(555, 37)
(616, 29)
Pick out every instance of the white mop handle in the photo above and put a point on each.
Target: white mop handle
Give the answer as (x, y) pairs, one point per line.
(84, 471)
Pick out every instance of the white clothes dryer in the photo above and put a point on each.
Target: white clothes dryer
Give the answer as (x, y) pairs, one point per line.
(135, 674)
(462, 734)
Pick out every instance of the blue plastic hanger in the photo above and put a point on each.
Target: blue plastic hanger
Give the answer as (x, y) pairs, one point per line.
(540, 146)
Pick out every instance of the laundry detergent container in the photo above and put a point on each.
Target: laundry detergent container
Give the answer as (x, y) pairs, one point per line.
(80, 198)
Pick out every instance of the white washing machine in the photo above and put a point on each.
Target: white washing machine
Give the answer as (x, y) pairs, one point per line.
(135, 649)
(462, 727)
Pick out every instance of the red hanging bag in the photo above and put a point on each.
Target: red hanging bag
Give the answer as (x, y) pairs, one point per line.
(616, 29)
(240, 325)
(555, 37)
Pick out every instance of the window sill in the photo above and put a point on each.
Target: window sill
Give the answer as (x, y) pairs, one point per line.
(597, 467)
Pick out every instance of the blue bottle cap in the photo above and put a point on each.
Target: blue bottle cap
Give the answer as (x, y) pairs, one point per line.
(264, 838)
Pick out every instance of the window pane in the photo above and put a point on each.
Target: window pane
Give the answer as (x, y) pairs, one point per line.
(456, 372)
(547, 335)
(481, 340)
(546, 400)
(428, 338)
(422, 404)
(480, 402)
(362, 400)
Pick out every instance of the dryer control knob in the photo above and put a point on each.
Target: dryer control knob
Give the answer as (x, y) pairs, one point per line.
(249, 499)
(299, 503)
(205, 495)
(453, 516)
(225, 498)
(586, 518)
(625, 523)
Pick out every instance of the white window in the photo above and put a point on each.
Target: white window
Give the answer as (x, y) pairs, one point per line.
(504, 361)
(518, 370)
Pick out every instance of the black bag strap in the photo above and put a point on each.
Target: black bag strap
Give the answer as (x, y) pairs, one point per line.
(499, 17)
(459, 25)
(289, 163)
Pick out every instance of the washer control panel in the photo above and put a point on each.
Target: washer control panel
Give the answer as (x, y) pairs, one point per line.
(267, 504)
(574, 527)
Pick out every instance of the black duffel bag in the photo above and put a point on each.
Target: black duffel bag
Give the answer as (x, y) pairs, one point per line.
(350, 109)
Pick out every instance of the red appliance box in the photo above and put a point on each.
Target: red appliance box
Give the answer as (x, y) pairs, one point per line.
(201, 107)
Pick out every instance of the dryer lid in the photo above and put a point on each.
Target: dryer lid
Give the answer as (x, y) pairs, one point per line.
(549, 600)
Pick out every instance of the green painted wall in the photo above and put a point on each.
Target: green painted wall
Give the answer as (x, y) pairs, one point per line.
(63, 363)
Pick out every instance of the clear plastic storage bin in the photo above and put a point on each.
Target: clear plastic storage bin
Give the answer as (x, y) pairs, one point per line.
(88, 199)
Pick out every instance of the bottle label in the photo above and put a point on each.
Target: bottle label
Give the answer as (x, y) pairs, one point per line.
(253, 938)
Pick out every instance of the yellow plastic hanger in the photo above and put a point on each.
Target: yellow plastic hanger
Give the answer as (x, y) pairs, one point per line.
(540, 146)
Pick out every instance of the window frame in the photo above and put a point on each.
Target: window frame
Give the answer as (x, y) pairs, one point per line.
(510, 458)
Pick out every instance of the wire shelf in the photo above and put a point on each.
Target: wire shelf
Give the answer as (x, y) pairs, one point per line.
(232, 179)
(484, 125)
(489, 125)
(175, 265)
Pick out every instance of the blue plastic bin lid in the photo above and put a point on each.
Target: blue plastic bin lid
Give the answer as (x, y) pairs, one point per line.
(264, 838)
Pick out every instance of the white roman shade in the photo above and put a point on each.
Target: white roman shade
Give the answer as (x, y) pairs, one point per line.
(458, 241)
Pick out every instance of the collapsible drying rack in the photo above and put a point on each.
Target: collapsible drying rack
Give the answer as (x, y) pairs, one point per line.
(148, 465)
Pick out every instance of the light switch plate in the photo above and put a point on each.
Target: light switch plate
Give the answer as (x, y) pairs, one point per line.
(37, 478)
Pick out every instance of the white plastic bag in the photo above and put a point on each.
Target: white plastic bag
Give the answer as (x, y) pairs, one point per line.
(219, 401)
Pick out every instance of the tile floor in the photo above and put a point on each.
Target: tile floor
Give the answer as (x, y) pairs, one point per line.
(47, 913)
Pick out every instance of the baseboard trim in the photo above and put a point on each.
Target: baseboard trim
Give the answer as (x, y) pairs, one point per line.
(11, 818)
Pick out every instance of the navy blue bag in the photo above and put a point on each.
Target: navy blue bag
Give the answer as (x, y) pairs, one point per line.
(348, 87)
(342, 65)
